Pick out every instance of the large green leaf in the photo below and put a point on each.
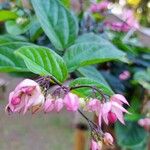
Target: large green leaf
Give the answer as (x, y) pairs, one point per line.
(88, 82)
(57, 22)
(7, 15)
(43, 61)
(130, 135)
(8, 61)
(86, 53)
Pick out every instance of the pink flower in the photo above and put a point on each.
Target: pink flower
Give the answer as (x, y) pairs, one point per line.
(52, 104)
(58, 104)
(49, 104)
(100, 7)
(25, 96)
(93, 8)
(71, 101)
(108, 139)
(95, 145)
(128, 16)
(124, 75)
(113, 110)
(145, 123)
(93, 105)
(128, 21)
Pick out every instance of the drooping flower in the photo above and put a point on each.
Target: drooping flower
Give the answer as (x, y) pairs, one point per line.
(71, 102)
(93, 105)
(113, 110)
(49, 104)
(95, 145)
(108, 139)
(145, 123)
(124, 75)
(25, 96)
(58, 104)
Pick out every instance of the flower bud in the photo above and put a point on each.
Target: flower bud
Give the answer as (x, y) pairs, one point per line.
(108, 139)
(58, 104)
(71, 101)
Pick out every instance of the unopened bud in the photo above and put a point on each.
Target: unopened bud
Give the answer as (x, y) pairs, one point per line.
(108, 139)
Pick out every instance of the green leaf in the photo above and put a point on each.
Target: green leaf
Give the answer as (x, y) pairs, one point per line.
(66, 3)
(114, 82)
(88, 82)
(92, 73)
(130, 135)
(143, 78)
(8, 61)
(57, 22)
(7, 15)
(6, 38)
(43, 61)
(13, 28)
(89, 52)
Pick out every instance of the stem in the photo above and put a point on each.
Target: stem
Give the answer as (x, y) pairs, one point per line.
(92, 125)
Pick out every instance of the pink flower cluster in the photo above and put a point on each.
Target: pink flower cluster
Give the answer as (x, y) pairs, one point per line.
(109, 111)
(99, 7)
(28, 95)
(70, 101)
(145, 123)
(129, 22)
(107, 140)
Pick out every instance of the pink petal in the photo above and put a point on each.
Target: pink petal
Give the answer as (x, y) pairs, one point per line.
(119, 115)
(58, 104)
(71, 102)
(106, 108)
(119, 98)
(49, 105)
(93, 105)
(117, 106)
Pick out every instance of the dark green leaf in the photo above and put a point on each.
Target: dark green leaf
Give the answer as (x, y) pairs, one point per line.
(130, 135)
(92, 73)
(43, 61)
(87, 53)
(58, 23)
(114, 82)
